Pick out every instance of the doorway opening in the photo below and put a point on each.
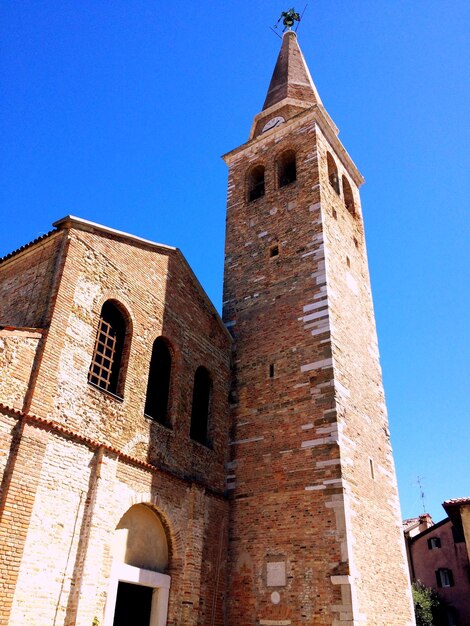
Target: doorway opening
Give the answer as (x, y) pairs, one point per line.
(133, 605)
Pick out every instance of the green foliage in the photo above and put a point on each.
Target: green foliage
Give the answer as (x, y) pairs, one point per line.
(426, 602)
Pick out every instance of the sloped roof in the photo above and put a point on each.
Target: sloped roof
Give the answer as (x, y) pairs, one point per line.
(291, 77)
(27, 245)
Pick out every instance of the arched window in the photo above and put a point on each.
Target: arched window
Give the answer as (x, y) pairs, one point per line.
(256, 183)
(158, 386)
(348, 196)
(202, 392)
(108, 351)
(332, 172)
(286, 168)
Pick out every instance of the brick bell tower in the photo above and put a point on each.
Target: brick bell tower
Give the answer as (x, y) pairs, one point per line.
(315, 535)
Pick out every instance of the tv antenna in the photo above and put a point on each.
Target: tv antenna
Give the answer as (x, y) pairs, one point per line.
(421, 492)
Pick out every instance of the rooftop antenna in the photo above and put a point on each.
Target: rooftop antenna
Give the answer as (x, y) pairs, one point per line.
(421, 492)
(301, 17)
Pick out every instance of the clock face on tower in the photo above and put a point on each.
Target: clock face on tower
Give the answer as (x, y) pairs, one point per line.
(273, 122)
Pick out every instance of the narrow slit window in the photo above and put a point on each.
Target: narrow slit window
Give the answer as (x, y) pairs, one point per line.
(273, 251)
(348, 196)
(256, 183)
(202, 392)
(371, 467)
(332, 172)
(108, 351)
(271, 370)
(287, 168)
(158, 385)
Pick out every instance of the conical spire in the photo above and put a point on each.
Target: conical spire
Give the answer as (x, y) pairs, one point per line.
(291, 78)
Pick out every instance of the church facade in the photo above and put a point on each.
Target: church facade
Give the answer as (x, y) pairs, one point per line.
(162, 466)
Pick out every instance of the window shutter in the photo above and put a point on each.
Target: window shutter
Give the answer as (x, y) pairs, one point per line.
(438, 578)
(438, 542)
(429, 545)
(451, 577)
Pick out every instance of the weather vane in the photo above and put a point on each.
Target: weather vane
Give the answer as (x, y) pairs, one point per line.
(288, 19)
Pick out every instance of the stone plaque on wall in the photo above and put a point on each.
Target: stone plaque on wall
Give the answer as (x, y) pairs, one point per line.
(276, 574)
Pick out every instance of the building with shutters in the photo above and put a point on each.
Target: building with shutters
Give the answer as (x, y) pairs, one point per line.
(161, 466)
(438, 557)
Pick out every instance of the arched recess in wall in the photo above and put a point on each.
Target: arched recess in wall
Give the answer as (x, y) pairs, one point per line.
(111, 349)
(139, 587)
(140, 540)
(287, 168)
(348, 196)
(255, 182)
(200, 413)
(332, 172)
(157, 400)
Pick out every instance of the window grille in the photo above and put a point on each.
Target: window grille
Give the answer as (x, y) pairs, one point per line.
(107, 353)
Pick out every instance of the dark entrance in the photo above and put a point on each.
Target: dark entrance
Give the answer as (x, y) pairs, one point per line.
(133, 605)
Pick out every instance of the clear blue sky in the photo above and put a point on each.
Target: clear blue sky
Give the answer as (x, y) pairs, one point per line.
(118, 110)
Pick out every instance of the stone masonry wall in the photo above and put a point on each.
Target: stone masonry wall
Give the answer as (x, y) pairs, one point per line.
(64, 492)
(157, 291)
(375, 537)
(310, 424)
(287, 539)
(65, 562)
(17, 352)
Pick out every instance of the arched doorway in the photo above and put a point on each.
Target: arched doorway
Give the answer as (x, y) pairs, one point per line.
(139, 589)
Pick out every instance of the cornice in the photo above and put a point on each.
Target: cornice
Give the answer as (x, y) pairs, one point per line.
(316, 114)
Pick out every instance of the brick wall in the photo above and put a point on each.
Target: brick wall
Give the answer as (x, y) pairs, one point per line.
(300, 470)
(18, 349)
(162, 300)
(63, 534)
(26, 282)
(285, 472)
(375, 540)
(64, 493)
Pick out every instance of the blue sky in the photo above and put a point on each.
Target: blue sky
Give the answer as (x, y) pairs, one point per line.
(117, 111)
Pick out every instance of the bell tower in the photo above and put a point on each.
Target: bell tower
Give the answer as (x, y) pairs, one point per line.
(315, 535)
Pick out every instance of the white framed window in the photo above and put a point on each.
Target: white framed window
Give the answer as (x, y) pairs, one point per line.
(444, 577)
